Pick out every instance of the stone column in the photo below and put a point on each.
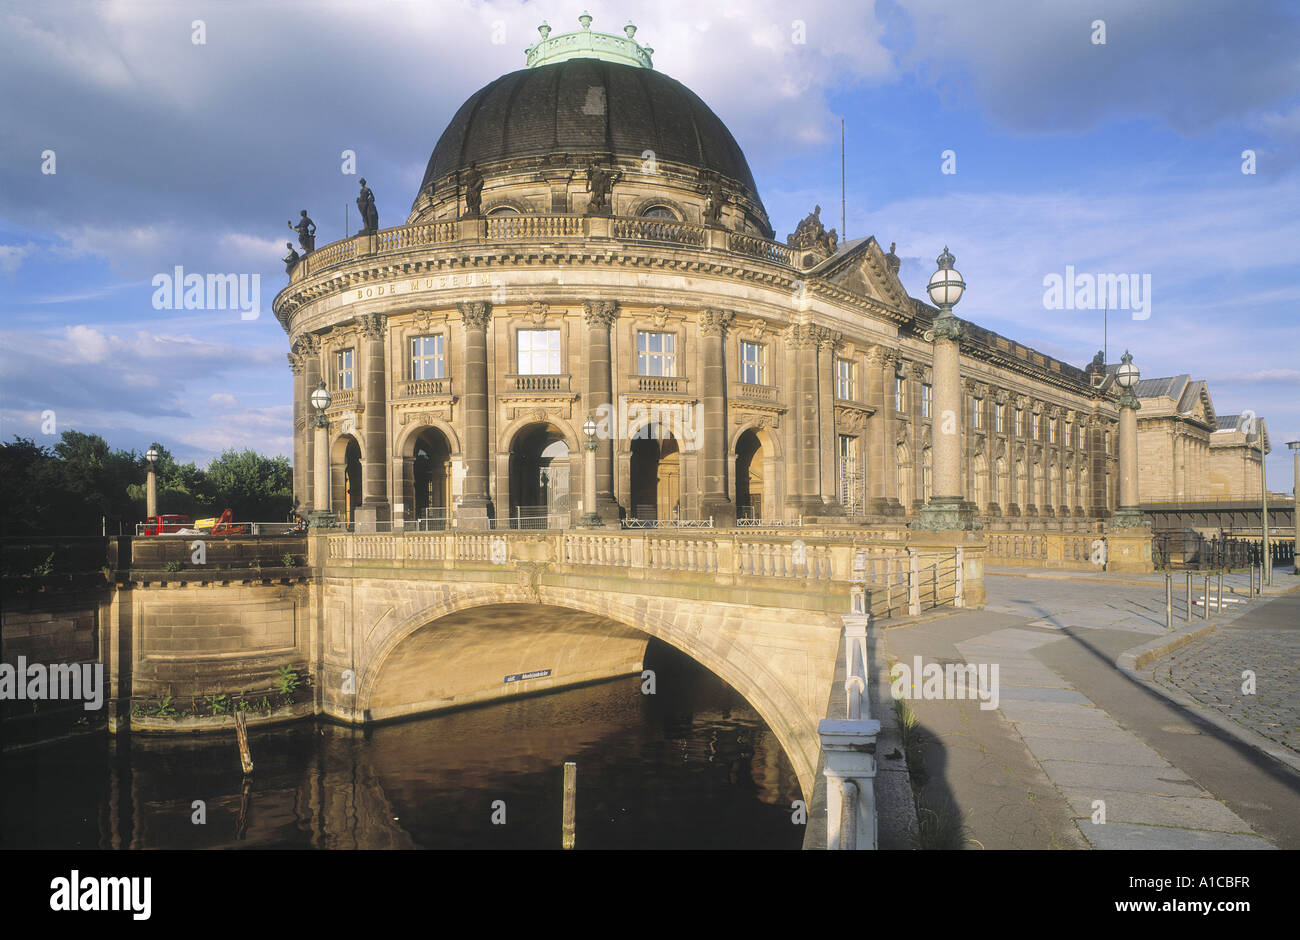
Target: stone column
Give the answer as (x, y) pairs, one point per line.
(827, 443)
(1180, 476)
(947, 508)
(805, 339)
(321, 482)
(880, 430)
(1128, 516)
(1295, 501)
(151, 494)
(296, 365)
(599, 316)
(475, 503)
(308, 347)
(374, 513)
(714, 500)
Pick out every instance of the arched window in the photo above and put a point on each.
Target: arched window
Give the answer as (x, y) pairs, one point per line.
(659, 212)
(504, 210)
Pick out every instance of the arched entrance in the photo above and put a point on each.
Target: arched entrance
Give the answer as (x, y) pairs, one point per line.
(655, 475)
(750, 476)
(345, 478)
(539, 478)
(431, 479)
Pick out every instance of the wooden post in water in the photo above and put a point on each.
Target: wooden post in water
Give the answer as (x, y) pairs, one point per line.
(241, 732)
(570, 799)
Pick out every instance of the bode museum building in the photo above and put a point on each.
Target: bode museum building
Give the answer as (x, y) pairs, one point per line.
(588, 252)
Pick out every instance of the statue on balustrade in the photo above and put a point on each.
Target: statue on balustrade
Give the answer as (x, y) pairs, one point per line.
(473, 192)
(366, 206)
(306, 230)
(599, 183)
(291, 259)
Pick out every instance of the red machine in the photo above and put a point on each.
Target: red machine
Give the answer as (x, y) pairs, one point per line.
(165, 525)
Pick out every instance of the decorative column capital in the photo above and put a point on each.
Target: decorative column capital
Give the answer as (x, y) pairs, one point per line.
(600, 312)
(475, 314)
(372, 324)
(307, 344)
(1129, 400)
(946, 326)
(296, 362)
(714, 321)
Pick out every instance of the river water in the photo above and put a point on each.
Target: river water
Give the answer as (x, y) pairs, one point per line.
(692, 766)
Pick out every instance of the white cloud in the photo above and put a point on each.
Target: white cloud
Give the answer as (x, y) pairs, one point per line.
(11, 257)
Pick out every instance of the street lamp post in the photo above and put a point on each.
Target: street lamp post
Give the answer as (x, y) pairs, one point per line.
(1295, 503)
(1128, 515)
(589, 516)
(1266, 563)
(947, 508)
(320, 516)
(151, 483)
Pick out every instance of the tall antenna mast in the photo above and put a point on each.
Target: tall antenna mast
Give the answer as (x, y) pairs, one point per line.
(1105, 330)
(844, 228)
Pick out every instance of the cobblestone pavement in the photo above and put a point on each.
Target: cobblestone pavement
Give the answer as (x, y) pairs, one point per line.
(1209, 669)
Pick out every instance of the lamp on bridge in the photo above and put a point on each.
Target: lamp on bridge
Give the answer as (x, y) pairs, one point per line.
(589, 516)
(320, 516)
(151, 483)
(1128, 515)
(947, 508)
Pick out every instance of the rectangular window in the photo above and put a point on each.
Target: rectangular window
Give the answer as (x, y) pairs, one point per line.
(656, 353)
(427, 360)
(850, 477)
(344, 369)
(539, 352)
(976, 412)
(1020, 422)
(753, 363)
(926, 392)
(1051, 431)
(900, 393)
(844, 380)
(1035, 422)
(999, 418)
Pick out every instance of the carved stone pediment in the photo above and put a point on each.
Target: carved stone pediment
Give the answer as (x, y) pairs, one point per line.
(425, 415)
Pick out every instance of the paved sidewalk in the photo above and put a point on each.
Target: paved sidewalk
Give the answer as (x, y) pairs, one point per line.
(1072, 732)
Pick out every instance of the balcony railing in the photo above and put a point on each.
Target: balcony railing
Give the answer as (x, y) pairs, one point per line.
(534, 226)
(660, 230)
(537, 383)
(756, 392)
(662, 384)
(423, 388)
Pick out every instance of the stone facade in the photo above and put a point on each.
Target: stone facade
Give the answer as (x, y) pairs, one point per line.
(729, 374)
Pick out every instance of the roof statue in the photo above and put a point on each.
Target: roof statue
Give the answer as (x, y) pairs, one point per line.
(810, 233)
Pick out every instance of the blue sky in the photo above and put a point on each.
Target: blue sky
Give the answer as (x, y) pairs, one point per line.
(1123, 157)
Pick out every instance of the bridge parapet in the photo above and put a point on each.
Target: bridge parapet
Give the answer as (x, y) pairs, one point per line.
(903, 574)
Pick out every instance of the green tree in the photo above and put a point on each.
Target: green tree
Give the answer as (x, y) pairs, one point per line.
(254, 487)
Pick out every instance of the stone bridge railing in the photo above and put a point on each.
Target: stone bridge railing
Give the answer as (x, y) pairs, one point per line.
(899, 578)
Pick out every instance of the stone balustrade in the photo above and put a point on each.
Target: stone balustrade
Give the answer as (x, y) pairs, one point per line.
(533, 226)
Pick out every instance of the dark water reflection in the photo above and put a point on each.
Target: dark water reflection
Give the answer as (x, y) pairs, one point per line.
(692, 766)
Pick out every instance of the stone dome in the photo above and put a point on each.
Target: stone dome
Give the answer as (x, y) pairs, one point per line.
(588, 106)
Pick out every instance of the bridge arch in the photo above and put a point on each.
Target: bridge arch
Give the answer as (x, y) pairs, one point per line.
(757, 679)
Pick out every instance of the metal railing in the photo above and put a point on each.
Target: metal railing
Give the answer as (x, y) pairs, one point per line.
(1196, 552)
(634, 523)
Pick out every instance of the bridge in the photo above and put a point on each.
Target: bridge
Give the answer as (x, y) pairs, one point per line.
(1236, 516)
(380, 626)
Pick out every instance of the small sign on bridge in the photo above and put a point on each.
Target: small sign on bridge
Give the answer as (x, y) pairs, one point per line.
(535, 674)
